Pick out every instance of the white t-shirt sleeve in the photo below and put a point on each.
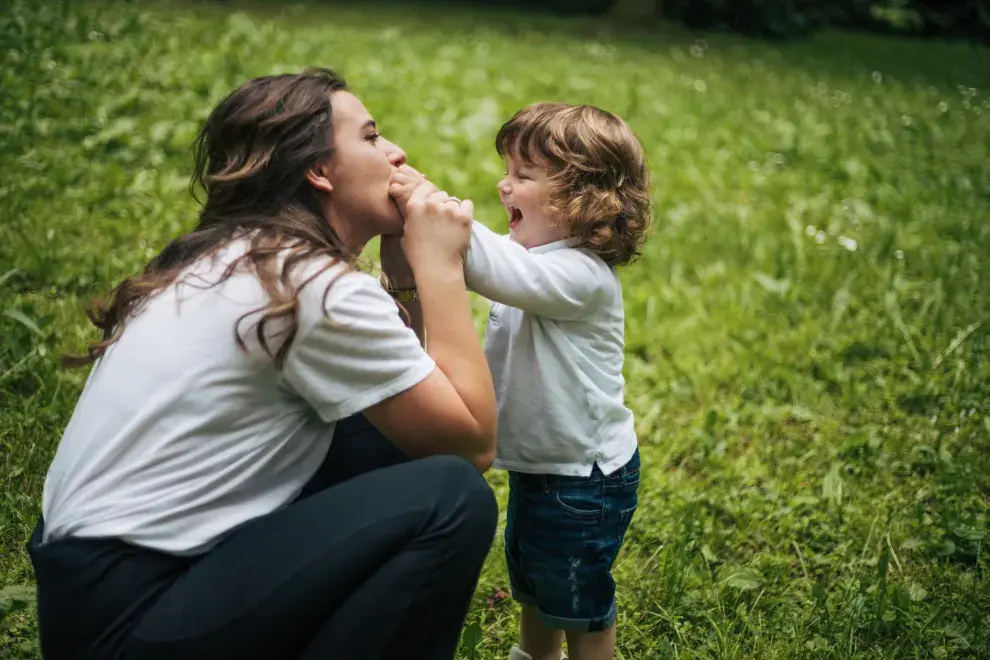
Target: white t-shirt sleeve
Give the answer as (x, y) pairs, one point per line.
(358, 354)
(561, 284)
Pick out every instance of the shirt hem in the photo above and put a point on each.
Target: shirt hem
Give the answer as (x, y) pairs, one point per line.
(572, 468)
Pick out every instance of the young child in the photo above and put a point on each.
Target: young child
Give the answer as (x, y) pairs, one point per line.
(577, 196)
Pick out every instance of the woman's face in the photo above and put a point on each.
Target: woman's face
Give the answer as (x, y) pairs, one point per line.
(359, 173)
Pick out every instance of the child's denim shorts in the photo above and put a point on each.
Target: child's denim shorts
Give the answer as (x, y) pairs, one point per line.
(562, 535)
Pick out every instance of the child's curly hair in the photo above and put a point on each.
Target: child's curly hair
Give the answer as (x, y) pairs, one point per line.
(598, 176)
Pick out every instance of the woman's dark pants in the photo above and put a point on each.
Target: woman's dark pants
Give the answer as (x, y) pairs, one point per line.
(377, 559)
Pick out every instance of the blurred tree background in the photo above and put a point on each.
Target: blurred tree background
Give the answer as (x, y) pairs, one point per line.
(791, 18)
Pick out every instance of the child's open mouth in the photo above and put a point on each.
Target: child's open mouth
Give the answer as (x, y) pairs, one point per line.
(515, 217)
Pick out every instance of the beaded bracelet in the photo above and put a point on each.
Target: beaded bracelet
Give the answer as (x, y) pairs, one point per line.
(402, 295)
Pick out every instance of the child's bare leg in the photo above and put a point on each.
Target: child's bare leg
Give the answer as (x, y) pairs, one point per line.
(537, 640)
(592, 645)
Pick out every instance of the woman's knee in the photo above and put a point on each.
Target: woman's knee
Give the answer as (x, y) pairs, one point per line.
(468, 495)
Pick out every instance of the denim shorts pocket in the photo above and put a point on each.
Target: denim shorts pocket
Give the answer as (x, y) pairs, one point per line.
(625, 518)
(631, 471)
(583, 502)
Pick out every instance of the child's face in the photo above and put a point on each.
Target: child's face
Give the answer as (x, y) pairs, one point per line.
(523, 193)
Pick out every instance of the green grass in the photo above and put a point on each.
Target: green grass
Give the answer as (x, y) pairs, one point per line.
(808, 351)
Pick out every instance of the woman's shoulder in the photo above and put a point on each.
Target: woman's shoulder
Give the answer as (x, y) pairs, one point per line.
(330, 288)
(335, 277)
(318, 284)
(308, 270)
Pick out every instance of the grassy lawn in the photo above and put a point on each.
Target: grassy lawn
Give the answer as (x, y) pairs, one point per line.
(808, 348)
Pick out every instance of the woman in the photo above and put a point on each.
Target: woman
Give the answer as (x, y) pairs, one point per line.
(193, 509)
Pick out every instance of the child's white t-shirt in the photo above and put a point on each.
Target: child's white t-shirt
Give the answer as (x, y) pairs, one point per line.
(179, 436)
(555, 347)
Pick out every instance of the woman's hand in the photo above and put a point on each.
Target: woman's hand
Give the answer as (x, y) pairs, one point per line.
(453, 410)
(437, 228)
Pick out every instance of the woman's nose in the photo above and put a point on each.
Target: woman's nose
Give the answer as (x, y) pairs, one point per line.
(397, 156)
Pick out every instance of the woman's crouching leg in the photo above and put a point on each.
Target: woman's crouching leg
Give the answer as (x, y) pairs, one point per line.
(424, 592)
(380, 566)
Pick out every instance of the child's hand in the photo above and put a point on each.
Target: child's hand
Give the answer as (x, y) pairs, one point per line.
(437, 228)
(394, 263)
(404, 181)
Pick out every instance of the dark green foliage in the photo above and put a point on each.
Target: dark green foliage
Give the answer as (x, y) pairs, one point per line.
(764, 18)
(792, 18)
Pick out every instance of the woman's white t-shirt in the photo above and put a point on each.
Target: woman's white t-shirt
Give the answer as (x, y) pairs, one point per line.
(179, 436)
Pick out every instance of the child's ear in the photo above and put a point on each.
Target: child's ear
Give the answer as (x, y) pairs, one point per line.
(317, 177)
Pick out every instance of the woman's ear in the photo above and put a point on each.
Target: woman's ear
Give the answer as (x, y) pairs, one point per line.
(317, 178)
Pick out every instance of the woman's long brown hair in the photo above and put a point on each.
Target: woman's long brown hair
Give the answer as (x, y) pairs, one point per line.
(251, 158)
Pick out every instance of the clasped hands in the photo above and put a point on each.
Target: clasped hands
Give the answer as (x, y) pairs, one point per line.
(436, 229)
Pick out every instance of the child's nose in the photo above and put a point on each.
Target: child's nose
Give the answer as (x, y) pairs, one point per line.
(503, 187)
